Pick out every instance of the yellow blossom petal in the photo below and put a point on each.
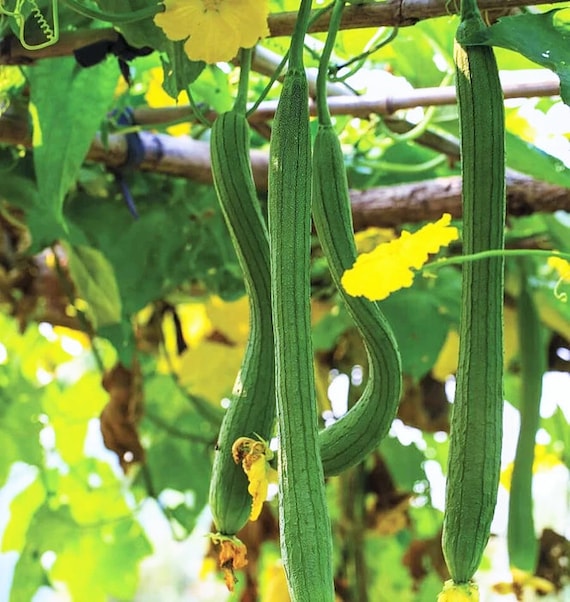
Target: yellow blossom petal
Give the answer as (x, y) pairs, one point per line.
(459, 592)
(178, 15)
(388, 268)
(216, 43)
(258, 486)
(561, 266)
(156, 97)
(249, 18)
(255, 456)
(544, 460)
(216, 29)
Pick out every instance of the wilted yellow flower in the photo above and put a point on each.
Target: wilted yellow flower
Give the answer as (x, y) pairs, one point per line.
(216, 29)
(523, 580)
(232, 556)
(388, 268)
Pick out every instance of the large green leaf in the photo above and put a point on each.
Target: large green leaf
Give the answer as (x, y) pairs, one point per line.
(179, 70)
(22, 509)
(20, 397)
(180, 441)
(544, 38)
(531, 160)
(95, 281)
(93, 562)
(179, 237)
(138, 33)
(404, 463)
(67, 105)
(102, 562)
(20, 427)
(70, 419)
(420, 327)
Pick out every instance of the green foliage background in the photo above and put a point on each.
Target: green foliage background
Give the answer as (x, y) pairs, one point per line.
(84, 285)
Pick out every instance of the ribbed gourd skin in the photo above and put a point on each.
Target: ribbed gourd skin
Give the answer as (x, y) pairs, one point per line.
(252, 408)
(476, 422)
(350, 440)
(306, 544)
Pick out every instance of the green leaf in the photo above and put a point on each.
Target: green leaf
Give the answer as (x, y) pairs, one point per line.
(185, 467)
(557, 428)
(541, 37)
(179, 237)
(529, 159)
(175, 461)
(558, 225)
(20, 407)
(179, 70)
(70, 419)
(19, 436)
(404, 462)
(95, 280)
(420, 327)
(94, 494)
(327, 331)
(137, 33)
(22, 509)
(113, 553)
(213, 88)
(67, 104)
(395, 583)
(93, 563)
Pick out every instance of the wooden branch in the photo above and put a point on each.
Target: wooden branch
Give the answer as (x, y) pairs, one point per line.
(364, 106)
(383, 206)
(426, 201)
(13, 53)
(393, 13)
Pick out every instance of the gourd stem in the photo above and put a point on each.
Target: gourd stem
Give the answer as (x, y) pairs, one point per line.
(245, 67)
(322, 79)
(298, 37)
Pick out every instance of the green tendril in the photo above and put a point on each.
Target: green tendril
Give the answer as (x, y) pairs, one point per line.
(461, 259)
(359, 60)
(51, 32)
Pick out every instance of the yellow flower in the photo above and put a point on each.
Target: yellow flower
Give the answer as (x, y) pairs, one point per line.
(458, 592)
(544, 460)
(388, 268)
(561, 266)
(216, 29)
(156, 97)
